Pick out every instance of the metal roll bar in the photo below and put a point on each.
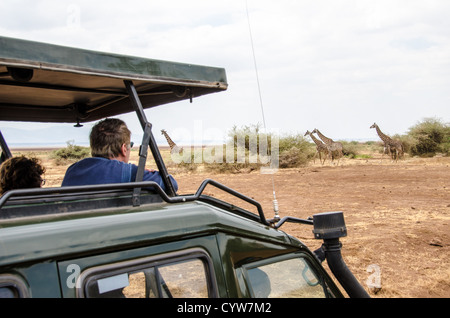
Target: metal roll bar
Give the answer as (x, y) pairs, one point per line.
(133, 185)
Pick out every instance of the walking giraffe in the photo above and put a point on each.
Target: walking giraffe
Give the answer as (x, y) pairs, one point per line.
(173, 146)
(331, 144)
(393, 147)
(321, 147)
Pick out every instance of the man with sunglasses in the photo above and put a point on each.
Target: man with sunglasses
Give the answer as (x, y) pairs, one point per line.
(110, 142)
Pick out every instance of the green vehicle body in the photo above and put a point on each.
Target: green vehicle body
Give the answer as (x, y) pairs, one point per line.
(123, 240)
(40, 252)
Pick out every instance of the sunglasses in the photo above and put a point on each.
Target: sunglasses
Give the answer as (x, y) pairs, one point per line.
(131, 145)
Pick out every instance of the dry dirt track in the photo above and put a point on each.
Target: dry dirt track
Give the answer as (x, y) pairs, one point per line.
(397, 216)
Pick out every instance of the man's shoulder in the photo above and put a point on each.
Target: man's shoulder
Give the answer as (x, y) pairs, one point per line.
(89, 161)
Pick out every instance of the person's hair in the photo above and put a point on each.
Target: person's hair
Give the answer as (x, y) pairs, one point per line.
(19, 173)
(107, 138)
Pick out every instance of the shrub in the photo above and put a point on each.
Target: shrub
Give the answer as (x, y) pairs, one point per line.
(295, 151)
(429, 137)
(247, 140)
(70, 154)
(293, 157)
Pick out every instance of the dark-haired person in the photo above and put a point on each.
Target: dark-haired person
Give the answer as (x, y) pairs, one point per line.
(110, 142)
(21, 173)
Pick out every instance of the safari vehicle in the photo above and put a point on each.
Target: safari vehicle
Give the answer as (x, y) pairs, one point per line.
(123, 240)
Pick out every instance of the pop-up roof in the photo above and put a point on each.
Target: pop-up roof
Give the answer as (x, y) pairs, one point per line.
(42, 82)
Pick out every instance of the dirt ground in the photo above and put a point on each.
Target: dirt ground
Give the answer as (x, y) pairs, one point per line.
(397, 214)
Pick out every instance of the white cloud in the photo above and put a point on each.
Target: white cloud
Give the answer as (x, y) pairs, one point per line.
(336, 65)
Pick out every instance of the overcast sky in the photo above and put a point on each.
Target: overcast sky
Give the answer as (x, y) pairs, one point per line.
(335, 65)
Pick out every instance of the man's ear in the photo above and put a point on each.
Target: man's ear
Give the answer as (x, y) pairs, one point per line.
(124, 150)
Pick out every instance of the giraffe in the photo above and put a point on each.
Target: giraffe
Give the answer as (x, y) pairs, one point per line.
(321, 147)
(331, 144)
(392, 147)
(173, 146)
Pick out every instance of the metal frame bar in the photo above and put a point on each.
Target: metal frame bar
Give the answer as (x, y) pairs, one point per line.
(63, 88)
(148, 140)
(132, 185)
(6, 153)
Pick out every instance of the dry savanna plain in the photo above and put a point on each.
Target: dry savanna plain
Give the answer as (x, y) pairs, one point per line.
(397, 214)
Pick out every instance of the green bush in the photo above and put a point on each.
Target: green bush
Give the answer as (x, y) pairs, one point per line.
(295, 151)
(429, 137)
(70, 154)
(249, 137)
(293, 157)
(247, 140)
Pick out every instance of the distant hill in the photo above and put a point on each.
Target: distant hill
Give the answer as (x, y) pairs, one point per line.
(56, 136)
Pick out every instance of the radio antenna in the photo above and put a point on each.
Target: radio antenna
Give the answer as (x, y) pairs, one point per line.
(275, 201)
(255, 64)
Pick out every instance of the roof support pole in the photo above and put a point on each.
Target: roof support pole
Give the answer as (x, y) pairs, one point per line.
(5, 152)
(148, 140)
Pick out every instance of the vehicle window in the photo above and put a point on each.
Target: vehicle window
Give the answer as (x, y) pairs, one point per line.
(186, 279)
(287, 279)
(12, 287)
(180, 280)
(8, 292)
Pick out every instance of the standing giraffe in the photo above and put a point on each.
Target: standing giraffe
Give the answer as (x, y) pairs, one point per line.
(321, 147)
(331, 144)
(173, 146)
(393, 147)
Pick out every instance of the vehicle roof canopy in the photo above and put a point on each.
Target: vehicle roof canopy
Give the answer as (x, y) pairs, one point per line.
(42, 82)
